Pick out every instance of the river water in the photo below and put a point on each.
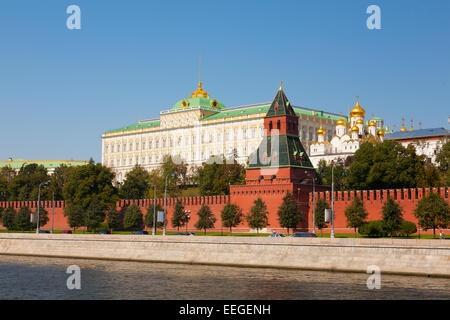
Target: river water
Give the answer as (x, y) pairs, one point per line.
(46, 278)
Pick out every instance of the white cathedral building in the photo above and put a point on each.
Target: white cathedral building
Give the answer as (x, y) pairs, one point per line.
(347, 138)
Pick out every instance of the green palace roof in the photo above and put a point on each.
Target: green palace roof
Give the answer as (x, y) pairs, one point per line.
(199, 102)
(222, 112)
(48, 164)
(144, 124)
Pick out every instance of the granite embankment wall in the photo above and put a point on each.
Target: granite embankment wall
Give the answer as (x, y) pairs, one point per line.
(418, 257)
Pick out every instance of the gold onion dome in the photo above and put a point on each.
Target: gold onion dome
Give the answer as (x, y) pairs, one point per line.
(341, 122)
(359, 121)
(355, 129)
(372, 123)
(380, 133)
(357, 111)
(199, 93)
(321, 131)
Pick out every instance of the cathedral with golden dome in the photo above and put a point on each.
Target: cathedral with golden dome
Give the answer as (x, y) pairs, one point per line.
(348, 136)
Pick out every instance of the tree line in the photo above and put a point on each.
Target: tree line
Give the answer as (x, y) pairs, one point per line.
(432, 212)
(387, 165)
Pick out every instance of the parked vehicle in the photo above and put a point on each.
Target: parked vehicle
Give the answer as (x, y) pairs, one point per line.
(67, 231)
(140, 232)
(44, 231)
(104, 232)
(184, 234)
(304, 235)
(276, 235)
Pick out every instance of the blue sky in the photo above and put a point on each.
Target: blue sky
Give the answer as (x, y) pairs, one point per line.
(61, 89)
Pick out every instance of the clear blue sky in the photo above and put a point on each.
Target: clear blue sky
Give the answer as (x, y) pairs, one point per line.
(61, 89)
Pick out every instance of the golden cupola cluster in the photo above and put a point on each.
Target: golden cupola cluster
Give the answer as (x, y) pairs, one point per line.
(199, 93)
(372, 123)
(357, 110)
(380, 132)
(359, 121)
(355, 129)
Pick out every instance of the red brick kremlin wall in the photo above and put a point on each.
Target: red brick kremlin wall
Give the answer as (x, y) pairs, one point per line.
(272, 195)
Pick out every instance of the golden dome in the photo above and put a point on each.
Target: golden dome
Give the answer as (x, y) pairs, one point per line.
(403, 125)
(359, 121)
(372, 123)
(321, 131)
(357, 111)
(355, 129)
(199, 93)
(341, 122)
(380, 133)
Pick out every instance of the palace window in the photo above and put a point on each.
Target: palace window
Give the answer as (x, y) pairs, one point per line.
(210, 137)
(157, 143)
(253, 132)
(171, 142)
(150, 142)
(194, 139)
(244, 133)
(164, 142)
(137, 146)
(278, 124)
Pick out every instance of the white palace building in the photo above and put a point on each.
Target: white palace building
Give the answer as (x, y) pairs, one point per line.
(199, 127)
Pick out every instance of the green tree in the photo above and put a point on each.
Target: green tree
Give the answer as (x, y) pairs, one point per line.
(321, 205)
(257, 218)
(386, 165)
(215, 176)
(289, 215)
(114, 219)
(206, 219)
(75, 216)
(90, 192)
(392, 216)
(136, 184)
(179, 215)
(325, 170)
(232, 216)
(443, 159)
(133, 219)
(25, 185)
(355, 214)
(23, 219)
(148, 219)
(432, 212)
(9, 219)
(58, 179)
(43, 217)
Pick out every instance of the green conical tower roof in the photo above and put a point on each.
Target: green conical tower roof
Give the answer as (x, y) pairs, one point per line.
(280, 150)
(280, 106)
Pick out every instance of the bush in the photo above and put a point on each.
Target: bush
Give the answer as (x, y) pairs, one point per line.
(373, 229)
(407, 228)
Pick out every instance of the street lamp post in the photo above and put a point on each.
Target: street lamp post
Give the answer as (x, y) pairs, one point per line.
(187, 218)
(332, 200)
(53, 206)
(39, 204)
(165, 203)
(313, 178)
(154, 210)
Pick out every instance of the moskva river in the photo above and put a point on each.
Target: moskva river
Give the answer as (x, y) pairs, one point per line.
(46, 278)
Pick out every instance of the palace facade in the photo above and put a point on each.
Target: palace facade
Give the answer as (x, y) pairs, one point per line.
(199, 127)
